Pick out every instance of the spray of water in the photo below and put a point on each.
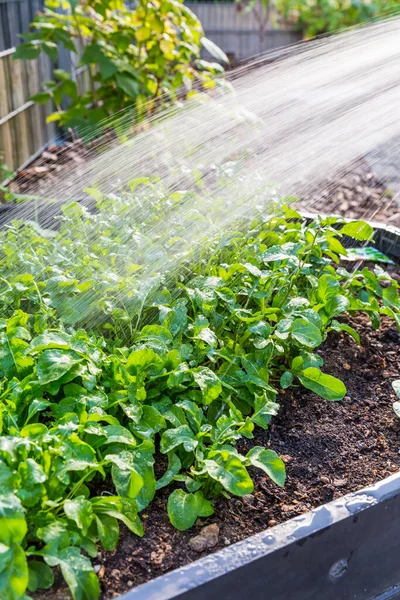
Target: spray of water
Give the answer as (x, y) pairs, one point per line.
(220, 161)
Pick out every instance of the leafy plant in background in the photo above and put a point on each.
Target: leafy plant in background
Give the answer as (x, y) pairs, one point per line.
(103, 360)
(315, 17)
(142, 57)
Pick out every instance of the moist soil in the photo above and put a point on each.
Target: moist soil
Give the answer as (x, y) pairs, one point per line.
(330, 449)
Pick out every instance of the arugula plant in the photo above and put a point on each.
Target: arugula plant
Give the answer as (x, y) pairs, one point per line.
(104, 361)
(139, 58)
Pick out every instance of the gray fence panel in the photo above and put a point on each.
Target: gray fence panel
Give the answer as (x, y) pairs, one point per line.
(238, 31)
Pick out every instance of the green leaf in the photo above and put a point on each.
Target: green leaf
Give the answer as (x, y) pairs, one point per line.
(208, 382)
(391, 296)
(32, 476)
(228, 470)
(328, 286)
(14, 575)
(359, 230)
(306, 333)
(337, 326)
(286, 380)
(53, 364)
(174, 466)
(108, 530)
(107, 67)
(77, 571)
(326, 386)
(128, 482)
(214, 50)
(172, 438)
(13, 527)
(142, 360)
(79, 510)
(27, 51)
(184, 509)
(51, 50)
(41, 97)
(336, 305)
(123, 509)
(269, 462)
(128, 84)
(42, 575)
(264, 410)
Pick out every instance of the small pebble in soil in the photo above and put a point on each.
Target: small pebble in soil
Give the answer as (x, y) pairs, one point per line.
(248, 499)
(272, 523)
(324, 479)
(207, 538)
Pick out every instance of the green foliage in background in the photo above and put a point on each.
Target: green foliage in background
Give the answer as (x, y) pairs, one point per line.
(144, 57)
(315, 17)
(103, 360)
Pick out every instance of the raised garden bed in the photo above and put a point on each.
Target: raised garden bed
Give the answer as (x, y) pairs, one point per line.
(105, 397)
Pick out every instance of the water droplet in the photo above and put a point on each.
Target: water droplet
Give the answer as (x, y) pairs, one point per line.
(269, 539)
(338, 569)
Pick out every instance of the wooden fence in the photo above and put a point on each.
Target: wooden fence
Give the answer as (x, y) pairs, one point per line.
(23, 127)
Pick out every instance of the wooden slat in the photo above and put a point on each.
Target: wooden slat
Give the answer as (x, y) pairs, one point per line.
(16, 69)
(22, 135)
(4, 87)
(35, 113)
(6, 145)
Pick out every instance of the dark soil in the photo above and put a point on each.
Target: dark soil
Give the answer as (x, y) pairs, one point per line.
(355, 193)
(329, 449)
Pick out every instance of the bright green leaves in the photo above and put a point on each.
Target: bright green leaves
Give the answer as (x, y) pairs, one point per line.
(228, 469)
(77, 571)
(14, 575)
(209, 384)
(53, 364)
(358, 230)
(79, 510)
(172, 438)
(144, 360)
(326, 386)
(108, 530)
(184, 509)
(13, 565)
(306, 333)
(269, 462)
(32, 478)
(13, 526)
(27, 51)
(129, 54)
